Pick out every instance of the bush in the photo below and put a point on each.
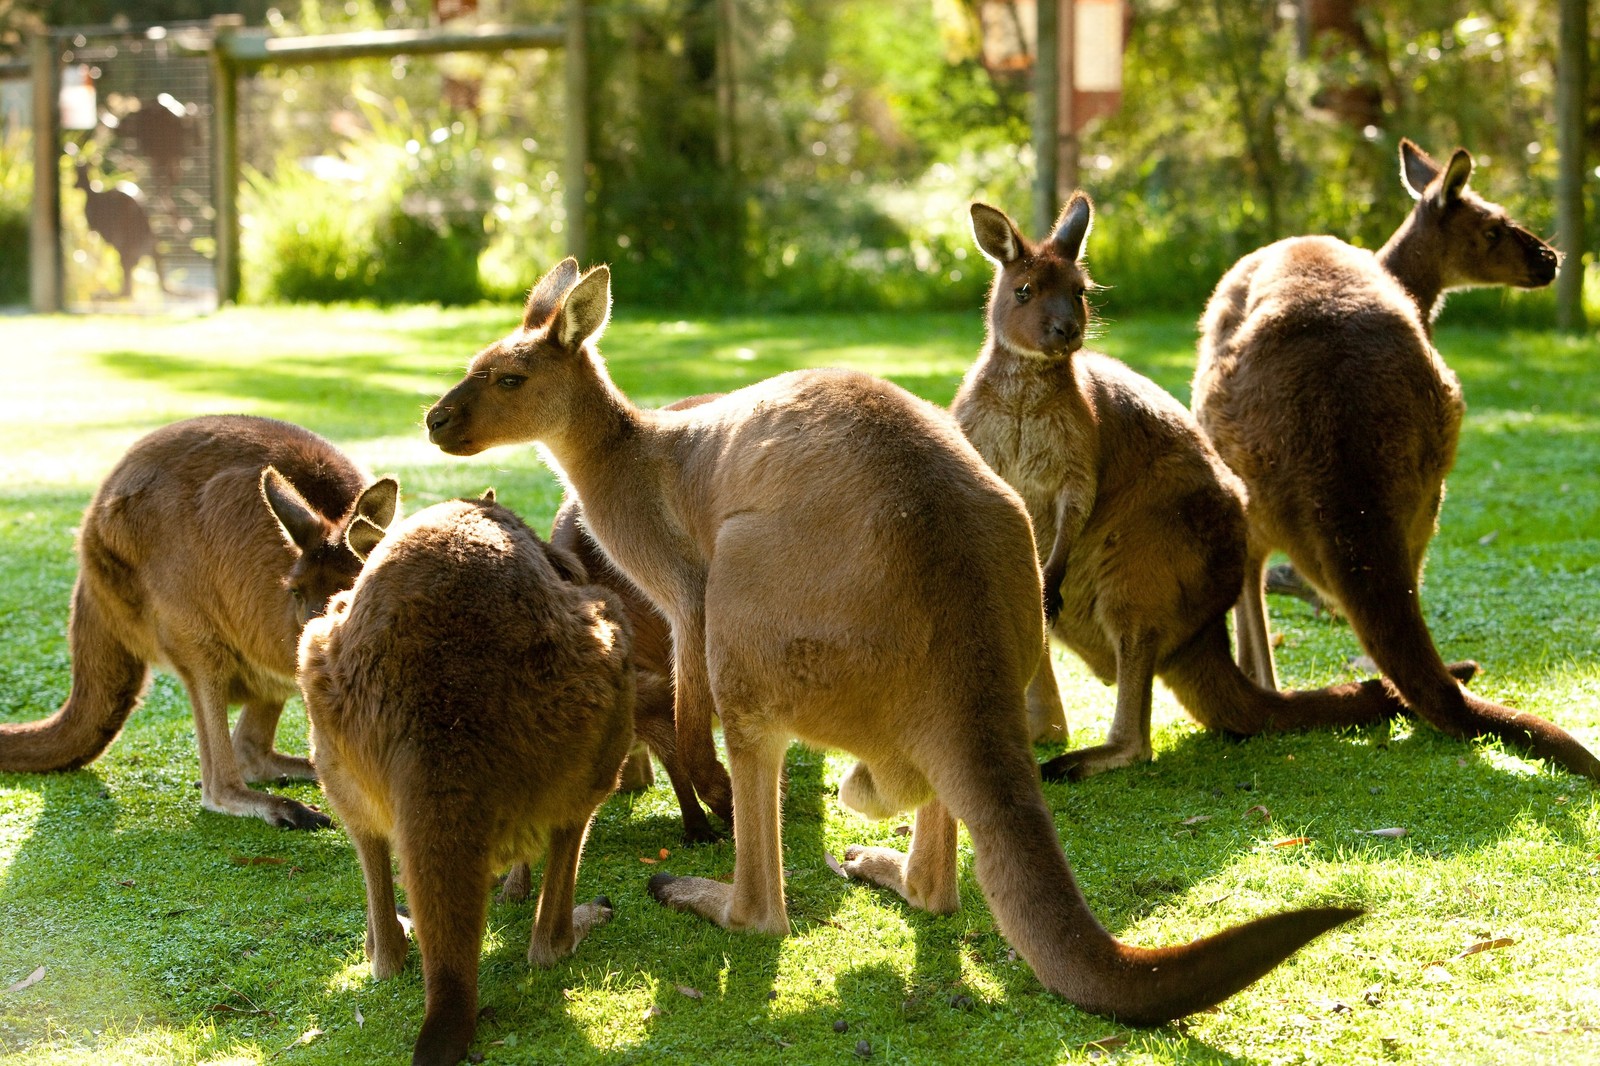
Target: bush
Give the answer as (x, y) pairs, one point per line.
(16, 207)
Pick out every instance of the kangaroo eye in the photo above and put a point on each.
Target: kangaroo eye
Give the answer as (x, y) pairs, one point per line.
(1494, 233)
(511, 381)
(298, 594)
(1024, 294)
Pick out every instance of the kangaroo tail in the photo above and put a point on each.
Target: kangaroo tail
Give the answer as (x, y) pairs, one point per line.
(107, 682)
(1393, 631)
(1041, 911)
(1211, 687)
(993, 787)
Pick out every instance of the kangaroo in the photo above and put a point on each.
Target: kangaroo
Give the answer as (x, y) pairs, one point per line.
(1141, 524)
(653, 722)
(122, 221)
(1319, 385)
(470, 707)
(909, 642)
(206, 549)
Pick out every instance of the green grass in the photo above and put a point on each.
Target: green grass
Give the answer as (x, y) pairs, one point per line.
(159, 945)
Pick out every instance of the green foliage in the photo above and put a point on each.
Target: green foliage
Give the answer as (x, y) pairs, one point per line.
(401, 218)
(16, 208)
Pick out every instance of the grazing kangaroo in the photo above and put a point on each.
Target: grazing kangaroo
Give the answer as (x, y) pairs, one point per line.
(1319, 384)
(909, 641)
(1141, 524)
(653, 722)
(471, 707)
(122, 221)
(206, 549)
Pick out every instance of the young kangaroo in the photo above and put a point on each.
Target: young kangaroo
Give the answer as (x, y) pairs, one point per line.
(1141, 525)
(471, 706)
(1319, 384)
(653, 722)
(184, 565)
(124, 224)
(909, 643)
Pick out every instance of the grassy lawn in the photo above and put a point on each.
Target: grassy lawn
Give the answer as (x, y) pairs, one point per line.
(162, 939)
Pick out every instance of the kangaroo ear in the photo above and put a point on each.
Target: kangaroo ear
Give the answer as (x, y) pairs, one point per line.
(1417, 168)
(302, 527)
(362, 536)
(488, 496)
(996, 235)
(1073, 226)
(583, 314)
(547, 294)
(378, 502)
(1456, 173)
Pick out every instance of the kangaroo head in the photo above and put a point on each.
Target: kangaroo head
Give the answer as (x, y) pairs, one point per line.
(1473, 241)
(1037, 307)
(329, 551)
(522, 387)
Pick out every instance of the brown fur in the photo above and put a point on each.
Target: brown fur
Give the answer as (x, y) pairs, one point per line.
(470, 707)
(652, 660)
(1320, 386)
(184, 565)
(910, 644)
(1142, 522)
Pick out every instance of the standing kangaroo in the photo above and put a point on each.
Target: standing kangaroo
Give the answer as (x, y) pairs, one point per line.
(839, 565)
(1319, 384)
(206, 549)
(1141, 524)
(123, 222)
(470, 706)
(653, 721)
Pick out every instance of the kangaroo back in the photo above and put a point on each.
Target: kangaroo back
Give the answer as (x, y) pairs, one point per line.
(182, 563)
(1319, 384)
(470, 707)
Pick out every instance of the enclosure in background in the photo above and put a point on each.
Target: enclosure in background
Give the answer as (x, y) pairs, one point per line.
(137, 192)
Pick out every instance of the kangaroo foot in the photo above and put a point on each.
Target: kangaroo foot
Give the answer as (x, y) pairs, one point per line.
(888, 867)
(276, 766)
(280, 811)
(1463, 671)
(585, 918)
(518, 881)
(713, 901)
(1086, 762)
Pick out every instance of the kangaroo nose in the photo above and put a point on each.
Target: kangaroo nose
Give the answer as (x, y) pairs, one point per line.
(437, 419)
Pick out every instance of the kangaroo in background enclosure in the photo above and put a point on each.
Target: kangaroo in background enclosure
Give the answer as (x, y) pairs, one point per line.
(123, 222)
(839, 565)
(471, 707)
(1319, 384)
(1141, 525)
(205, 550)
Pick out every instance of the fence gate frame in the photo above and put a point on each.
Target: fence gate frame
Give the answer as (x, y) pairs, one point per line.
(234, 50)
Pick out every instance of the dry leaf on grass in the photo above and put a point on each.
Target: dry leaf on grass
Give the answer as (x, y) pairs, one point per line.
(690, 991)
(1197, 819)
(1105, 1043)
(1261, 810)
(361, 1021)
(1291, 842)
(1393, 832)
(1483, 945)
(648, 860)
(833, 864)
(256, 860)
(32, 979)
